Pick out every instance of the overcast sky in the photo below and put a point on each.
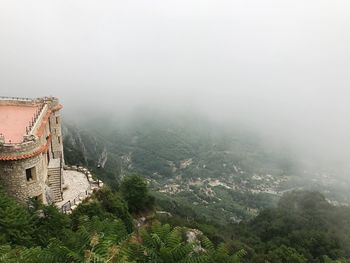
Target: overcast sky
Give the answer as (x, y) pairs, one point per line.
(281, 65)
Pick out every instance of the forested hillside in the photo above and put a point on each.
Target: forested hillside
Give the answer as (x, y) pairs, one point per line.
(101, 229)
(214, 171)
(123, 227)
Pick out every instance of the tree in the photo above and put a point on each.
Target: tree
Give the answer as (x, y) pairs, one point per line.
(135, 192)
(284, 254)
(49, 223)
(114, 204)
(16, 223)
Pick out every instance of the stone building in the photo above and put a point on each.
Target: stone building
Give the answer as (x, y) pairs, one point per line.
(31, 148)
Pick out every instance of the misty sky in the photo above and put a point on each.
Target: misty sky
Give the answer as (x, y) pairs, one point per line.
(283, 66)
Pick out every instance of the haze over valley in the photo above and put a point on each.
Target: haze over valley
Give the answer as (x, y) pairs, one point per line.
(227, 121)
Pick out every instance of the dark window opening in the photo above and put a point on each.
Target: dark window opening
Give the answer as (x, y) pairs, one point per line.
(59, 139)
(30, 174)
(56, 120)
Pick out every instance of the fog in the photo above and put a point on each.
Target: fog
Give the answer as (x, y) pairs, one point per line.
(281, 67)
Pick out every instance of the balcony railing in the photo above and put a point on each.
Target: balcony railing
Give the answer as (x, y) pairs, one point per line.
(34, 119)
(66, 207)
(15, 98)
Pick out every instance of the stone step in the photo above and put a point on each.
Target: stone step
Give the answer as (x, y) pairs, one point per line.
(54, 177)
(55, 182)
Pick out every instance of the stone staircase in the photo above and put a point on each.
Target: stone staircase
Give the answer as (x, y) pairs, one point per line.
(55, 179)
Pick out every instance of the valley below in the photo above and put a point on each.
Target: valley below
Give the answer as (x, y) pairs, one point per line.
(198, 169)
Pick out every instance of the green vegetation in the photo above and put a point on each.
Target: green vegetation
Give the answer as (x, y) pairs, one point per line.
(180, 150)
(100, 230)
(135, 192)
(225, 183)
(307, 223)
(304, 227)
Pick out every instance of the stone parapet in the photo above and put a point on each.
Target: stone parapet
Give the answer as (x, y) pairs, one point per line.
(93, 183)
(24, 150)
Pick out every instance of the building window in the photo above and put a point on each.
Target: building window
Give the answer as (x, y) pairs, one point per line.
(30, 174)
(59, 139)
(56, 120)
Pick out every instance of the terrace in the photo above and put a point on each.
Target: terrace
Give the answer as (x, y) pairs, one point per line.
(15, 121)
(78, 185)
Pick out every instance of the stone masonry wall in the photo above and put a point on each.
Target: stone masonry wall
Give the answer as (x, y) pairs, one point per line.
(13, 178)
(13, 173)
(57, 143)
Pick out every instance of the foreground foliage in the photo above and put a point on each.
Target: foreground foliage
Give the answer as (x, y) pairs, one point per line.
(304, 227)
(99, 230)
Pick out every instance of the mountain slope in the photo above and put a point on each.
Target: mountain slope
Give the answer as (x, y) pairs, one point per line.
(222, 173)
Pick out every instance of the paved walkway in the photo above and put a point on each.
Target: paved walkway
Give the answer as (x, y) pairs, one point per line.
(77, 184)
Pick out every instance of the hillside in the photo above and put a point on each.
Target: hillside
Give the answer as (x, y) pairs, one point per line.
(101, 229)
(121, 227)
(213, 171)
